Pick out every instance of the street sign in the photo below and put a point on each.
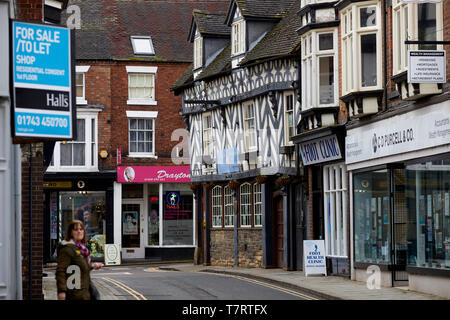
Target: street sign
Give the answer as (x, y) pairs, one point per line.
(427, 66)
(42, 78)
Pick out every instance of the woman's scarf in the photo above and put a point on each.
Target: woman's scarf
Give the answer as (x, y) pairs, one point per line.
(83, 250)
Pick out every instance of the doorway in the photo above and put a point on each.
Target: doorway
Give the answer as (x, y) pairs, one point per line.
(132, 231)
(278, 246)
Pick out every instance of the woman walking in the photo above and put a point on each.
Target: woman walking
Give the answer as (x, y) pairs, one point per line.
(74, 264)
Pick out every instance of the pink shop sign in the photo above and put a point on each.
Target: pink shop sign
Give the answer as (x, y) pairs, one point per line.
(154, 174)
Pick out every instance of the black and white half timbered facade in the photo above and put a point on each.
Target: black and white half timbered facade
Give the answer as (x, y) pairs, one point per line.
(241, 106)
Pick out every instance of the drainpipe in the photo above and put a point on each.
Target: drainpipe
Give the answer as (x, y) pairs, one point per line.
(30, 232)
(18, 218)
(385, 55)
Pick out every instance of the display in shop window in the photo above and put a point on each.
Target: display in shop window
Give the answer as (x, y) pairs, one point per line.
(130, 222)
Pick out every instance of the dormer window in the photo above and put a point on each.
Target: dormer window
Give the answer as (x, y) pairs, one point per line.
(142, 45)
(198, 53)
(238, 37)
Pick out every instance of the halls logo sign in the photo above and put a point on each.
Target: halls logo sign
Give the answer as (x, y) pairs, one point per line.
(394, 138)
(43, 86)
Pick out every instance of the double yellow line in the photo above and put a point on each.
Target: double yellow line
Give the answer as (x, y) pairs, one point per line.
(132, 292)
(272, 286)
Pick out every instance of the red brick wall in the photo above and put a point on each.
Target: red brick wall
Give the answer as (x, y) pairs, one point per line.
(107, 85)
(32, 10)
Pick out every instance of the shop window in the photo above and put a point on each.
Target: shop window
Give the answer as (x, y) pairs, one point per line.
(228, 207)
(153, 214)
(245, 204)
(131, 225)
(372, 217)
(178, 220)
(88, 207)
(335, 204)
(79, 154)
(217, 207)
(427, 200)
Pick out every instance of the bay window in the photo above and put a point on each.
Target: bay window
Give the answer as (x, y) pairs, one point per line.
(414, 21)
(361, 46)
(319, 69)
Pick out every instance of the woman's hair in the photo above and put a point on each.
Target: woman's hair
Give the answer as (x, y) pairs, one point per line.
(72, 226)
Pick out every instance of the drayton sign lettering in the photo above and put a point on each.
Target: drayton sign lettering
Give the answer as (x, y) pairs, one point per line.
(320, 150)
(42, 81)
(175, 174)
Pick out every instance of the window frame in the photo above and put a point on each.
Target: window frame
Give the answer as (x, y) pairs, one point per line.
(208, 140)
(89, 154)
(132, 70)
(257, 204)
(217, 203)
(146, 115)
(82, 70)
(248, 132)
(198, 53)
(245, 196)
(238, 36)
(310, 60)
(228, 206)
(351, 34)
(287, 95)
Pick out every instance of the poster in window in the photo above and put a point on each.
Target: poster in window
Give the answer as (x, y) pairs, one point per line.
(438, 240)
(447, 204)
(130, 222)
(436, 221)
(373, 203)
(385, 210)
(422, 210)
(429, 208)
(379, 207)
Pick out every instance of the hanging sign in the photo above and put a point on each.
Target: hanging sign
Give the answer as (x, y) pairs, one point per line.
(314, 256)
(427, 66)
(42, 71)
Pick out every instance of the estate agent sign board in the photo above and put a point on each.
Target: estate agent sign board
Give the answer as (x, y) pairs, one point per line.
(42, 70)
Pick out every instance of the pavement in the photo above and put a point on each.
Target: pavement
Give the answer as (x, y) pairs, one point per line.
(329, 288)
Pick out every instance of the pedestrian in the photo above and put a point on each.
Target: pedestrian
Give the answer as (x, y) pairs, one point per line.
(74, 265)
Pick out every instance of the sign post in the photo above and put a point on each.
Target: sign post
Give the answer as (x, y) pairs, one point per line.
(42, 78)
(314, 255)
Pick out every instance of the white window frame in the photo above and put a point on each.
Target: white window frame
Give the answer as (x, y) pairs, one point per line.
(198, 53)
(82, 70)
(250, 133)
(408, 23)
(287, 96)
(151, 52)
(208, 147)
(257, 204)
(311, 67)
(147, 115)
(245, 197)
(143, 70)
(87, 116)
(335, 191)
(238, 45)
(228, 202)
(217, 208)
(351, 46)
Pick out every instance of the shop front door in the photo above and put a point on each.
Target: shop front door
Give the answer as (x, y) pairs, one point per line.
(133, 231)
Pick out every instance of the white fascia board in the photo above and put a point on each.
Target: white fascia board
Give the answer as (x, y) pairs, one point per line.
(140, 69)
(142, 114)
(82, 69)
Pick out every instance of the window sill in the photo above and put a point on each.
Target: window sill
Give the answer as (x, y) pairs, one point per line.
(81, 101)
(142, 102)
(71, 169)
(142, 155)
